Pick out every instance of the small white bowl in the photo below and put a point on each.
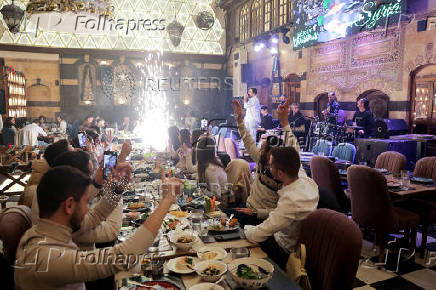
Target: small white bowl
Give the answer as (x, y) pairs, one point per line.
(222, 267)
(182, 246)
(222, 254)
(206, 286)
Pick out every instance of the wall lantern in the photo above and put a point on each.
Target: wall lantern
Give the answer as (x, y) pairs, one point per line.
(12, 15)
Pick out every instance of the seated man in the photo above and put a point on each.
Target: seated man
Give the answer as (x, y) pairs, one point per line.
(266, 122)
(47, 257)
(298, 197)
(263, 193)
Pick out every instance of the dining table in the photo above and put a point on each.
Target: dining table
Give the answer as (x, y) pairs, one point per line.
(415, 189)
(146, 189)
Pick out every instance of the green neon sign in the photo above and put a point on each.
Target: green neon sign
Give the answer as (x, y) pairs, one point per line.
(370, 16)
(304, 37)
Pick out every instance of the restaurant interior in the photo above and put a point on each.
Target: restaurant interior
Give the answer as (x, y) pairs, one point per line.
(218, 144)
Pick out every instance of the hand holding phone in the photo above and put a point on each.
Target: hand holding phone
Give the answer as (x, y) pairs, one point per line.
(203, 124)
(82, 139)
(109, 162)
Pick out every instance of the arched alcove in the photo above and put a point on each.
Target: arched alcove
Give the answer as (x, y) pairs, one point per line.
(423, 99)
(378, 103)
(292, 87)
(321, 104)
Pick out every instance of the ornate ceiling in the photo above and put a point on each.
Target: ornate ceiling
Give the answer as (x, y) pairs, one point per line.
(135, 25)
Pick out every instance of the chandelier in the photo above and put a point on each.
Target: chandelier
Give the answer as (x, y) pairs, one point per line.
(100, 7)
(12, 15)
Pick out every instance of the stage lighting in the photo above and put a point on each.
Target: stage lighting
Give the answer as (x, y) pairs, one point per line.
(275, 39)
(274, 50)
(259, 46)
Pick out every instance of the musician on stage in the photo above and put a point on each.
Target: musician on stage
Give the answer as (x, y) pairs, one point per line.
(266, 122)
(332, 110)
(364, 118)
(297, 120)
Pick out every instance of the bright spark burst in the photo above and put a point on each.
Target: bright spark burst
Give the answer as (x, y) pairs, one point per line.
(152, 105)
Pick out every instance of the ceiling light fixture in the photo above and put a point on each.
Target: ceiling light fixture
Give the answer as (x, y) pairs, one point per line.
(12, 15)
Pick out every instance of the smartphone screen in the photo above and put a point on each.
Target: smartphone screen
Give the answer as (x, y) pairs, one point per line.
(109, 161)
(203, 124)
(82, 139)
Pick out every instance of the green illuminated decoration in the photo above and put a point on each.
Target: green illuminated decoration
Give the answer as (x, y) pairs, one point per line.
(370, 16)
(320, 21)
(305, 37)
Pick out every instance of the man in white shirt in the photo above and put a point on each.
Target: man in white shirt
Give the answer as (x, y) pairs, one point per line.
(31, 132)
(252, 113)
(298, 197)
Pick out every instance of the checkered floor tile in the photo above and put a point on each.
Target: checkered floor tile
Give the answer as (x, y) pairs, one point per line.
(412, 274)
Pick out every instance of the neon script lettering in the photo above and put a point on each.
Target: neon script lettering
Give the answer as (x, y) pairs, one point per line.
(304, 37)
(370, 16)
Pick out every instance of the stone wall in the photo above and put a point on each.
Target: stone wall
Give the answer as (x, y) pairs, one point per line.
(42, 84)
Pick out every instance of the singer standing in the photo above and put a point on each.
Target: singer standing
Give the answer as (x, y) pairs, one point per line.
(252, 113)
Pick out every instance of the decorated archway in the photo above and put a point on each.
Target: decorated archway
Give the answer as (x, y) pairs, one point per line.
(422, 91)
(320, 104)
(292, 87)
(378, 103)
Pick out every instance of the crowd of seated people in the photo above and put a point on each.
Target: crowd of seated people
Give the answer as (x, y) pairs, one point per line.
(74, 208)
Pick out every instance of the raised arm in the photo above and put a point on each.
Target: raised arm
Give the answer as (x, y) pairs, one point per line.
(283, 114)
(249, 143)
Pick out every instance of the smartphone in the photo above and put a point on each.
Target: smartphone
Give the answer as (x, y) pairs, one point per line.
(109, 161)
(82, 139)
(203, 124)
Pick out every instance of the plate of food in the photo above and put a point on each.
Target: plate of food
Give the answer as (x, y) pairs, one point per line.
(170, 224)
(157, 285)
(206, 286)
(393, 184)
(182, 265)
(137, 206)
(214, 214)
(210, 271)
(421, 180)
(183, 240)
(179, 214)
(251, 272)
(211, 253)
(223, 225)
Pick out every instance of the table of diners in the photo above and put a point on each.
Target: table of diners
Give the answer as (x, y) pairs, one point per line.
(166, 251)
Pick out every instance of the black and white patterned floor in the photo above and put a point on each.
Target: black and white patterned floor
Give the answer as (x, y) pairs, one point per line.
(417, 274)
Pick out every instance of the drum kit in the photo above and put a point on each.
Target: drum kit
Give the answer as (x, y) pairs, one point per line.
(333, 132)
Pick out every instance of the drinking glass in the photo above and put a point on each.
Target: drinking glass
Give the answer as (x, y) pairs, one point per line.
(197, 215)
(204, 230)
(238, 253)
(405, 179)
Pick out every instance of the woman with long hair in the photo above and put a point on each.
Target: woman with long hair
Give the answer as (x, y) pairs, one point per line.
(173, 142)
(210, 170)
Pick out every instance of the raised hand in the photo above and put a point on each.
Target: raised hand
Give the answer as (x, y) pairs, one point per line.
(237, 110)
(283, 112)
